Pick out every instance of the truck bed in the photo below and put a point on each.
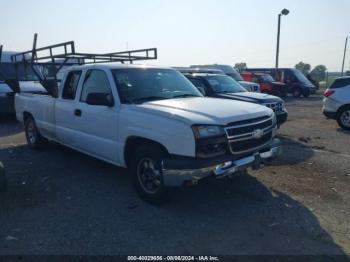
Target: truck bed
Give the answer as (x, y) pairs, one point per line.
(41, 107)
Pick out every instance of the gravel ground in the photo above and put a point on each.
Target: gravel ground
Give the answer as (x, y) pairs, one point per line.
(59, 201)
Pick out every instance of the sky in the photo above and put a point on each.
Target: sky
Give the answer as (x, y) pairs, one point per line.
(186, 31)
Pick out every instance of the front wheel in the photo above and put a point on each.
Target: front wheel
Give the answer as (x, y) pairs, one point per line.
(343, 118)
(34, 139)
(146, 171)
(306, 94)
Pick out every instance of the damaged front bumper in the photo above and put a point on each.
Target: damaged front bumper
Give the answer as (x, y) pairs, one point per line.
(177, 172)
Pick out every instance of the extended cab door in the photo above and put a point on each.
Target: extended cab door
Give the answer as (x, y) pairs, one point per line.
(65, 109)
(97, 124)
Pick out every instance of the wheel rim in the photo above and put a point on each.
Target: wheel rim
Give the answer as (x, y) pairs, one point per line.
(31, 133)
(345, 118)
(149, 176)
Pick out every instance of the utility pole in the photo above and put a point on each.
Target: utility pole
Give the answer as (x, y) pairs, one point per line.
(0, 52)
(283, 12)
(342, 68)
(278, 40)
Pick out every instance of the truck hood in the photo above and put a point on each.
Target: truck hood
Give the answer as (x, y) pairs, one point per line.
(204, 110)
(251, 97)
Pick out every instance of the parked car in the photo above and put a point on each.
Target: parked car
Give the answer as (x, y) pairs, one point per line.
(296, 83)
(230, 71)
(336, 104)
(266, 82)
(153, 121)
(223, 86)
(7, 94)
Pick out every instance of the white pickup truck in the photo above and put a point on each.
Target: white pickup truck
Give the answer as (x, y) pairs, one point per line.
(151, 120)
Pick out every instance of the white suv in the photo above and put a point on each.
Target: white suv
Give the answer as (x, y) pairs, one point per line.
(336, 104)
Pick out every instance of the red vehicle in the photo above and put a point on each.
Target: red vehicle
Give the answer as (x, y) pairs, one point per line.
(266, 82)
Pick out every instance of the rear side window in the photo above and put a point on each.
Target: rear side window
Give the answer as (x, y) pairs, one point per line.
(71, 85)
(96, 81)
(341, 82)
(199, 84)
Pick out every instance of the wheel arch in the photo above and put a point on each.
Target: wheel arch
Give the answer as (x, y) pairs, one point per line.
(341, 108)
(133, 142)
(26, 115)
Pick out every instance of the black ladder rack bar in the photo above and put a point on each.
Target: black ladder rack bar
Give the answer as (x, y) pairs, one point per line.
(46, 62)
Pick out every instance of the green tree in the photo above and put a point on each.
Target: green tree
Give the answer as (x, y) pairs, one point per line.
(347, 73)
(319, 72)
(303, 67)
(240, 67)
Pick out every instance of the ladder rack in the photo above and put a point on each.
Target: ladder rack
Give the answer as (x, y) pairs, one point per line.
(46, 62)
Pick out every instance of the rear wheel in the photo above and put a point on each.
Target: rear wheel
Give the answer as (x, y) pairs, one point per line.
(146, 171)
(34, 139)
(343, 118)
(296, 92)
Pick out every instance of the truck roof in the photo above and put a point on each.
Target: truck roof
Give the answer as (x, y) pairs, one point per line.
(115, 66)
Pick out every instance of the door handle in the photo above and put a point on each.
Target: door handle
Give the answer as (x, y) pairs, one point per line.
(77, 112)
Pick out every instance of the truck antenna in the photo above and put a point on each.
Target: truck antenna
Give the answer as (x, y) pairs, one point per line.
(0, 52)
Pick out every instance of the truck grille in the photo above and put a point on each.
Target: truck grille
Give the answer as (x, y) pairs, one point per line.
(249, 135)
(276, 107)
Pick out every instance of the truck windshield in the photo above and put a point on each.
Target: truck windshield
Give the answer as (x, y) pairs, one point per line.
(300, 76)
(138, 85)
(224, 84)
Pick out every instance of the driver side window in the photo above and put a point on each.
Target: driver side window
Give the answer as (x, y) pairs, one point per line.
(96, 81)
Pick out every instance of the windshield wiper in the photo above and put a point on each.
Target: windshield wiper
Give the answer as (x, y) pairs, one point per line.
(185, 95)
(149, 98)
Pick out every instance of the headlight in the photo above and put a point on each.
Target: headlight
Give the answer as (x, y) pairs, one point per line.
(207, 131)
(274, 119)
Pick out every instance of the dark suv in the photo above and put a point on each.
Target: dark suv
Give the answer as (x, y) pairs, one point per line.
(223, 86)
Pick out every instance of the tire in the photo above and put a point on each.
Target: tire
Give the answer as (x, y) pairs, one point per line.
(145, 168)
(306, 94)
(2, 178)
(296, 93)
(283, 93)
(34, 139)
(343, 118)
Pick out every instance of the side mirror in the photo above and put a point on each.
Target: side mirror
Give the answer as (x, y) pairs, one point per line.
(100, 99)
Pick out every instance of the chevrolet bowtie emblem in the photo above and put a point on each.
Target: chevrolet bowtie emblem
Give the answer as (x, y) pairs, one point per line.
(258, 133)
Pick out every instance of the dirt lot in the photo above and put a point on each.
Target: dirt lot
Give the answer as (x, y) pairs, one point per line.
(59, 201)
